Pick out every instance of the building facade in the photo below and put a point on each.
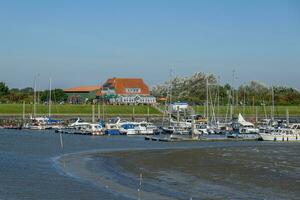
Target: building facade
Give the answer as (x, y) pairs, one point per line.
(127, 91)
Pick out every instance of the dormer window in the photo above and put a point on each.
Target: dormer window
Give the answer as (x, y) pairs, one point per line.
(132, 90)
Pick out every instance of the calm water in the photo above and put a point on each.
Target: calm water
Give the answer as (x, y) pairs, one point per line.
(34, 166)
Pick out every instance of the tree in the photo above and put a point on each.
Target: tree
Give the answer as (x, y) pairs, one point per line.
(58, 95)
(27, 90)
(3, 89)
(191, 89)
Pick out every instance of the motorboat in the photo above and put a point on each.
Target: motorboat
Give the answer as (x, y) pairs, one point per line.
(94, 129)
(79, 124)
(113, 126)
(284, 134)
(203, 129)
(128, 128)
(38, 123)
(145, 128)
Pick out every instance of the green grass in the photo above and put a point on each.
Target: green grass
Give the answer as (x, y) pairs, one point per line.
(69, 109)
(250, 111)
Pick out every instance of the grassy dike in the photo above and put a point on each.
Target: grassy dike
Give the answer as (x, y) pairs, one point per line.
(73, 110)
(250, 111)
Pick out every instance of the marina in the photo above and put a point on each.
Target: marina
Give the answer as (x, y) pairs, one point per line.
(109, 168)
(150, 100)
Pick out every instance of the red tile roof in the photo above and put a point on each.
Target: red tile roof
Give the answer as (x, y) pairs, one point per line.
(120, 85)
(84, 88)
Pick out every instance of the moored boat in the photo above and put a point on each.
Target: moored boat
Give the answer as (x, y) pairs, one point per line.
(285, 134)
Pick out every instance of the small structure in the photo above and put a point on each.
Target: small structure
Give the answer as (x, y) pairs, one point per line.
(82, 94)
(181, 106)
(127, 91)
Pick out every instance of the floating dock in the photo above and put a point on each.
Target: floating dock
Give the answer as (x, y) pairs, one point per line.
(186, 138)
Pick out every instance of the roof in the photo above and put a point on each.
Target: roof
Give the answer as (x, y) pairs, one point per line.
(120, 85)
(84, 88)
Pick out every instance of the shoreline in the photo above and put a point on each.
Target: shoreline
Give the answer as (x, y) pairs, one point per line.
(117, 171)
(75, 165)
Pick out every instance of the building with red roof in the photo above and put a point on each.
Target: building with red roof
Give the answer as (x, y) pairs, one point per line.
(127, 91)
(82, 94)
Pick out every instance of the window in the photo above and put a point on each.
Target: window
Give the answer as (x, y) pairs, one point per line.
(133, 90)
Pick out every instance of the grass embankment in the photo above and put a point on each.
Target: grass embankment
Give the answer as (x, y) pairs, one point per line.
(69, 109)
(250, 111)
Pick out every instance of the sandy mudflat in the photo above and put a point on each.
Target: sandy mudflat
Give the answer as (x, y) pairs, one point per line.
(264, 172)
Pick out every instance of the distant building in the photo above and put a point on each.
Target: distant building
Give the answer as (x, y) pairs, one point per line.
(78, 95)
(180, 106)
(127, 91)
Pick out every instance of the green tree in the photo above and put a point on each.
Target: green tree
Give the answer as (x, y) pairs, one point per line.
(57, 95)
(3, 89)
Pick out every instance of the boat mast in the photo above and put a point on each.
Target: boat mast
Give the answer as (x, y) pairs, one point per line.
(23, 117)
(34, 97)
(93, 113)
(287, 117)
(207, 106)
(273, 105)
(170, 98)
(98, 102)
(218, 99)
(233, 95)
(244, 103)
(50, 92)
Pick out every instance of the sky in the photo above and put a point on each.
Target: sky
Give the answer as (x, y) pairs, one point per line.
(84, 42)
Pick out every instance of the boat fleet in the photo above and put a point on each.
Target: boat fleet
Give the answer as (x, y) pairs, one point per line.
(114, 126)
(194, 127)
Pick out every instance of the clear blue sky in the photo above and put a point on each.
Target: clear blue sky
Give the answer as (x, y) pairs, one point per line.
(84, 42)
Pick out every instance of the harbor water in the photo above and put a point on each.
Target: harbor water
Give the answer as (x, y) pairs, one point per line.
(45, 165)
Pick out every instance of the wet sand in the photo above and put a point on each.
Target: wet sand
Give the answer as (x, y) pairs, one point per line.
(262, 172)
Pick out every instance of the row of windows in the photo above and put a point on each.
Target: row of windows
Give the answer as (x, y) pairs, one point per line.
(133, 90)
(133, 100)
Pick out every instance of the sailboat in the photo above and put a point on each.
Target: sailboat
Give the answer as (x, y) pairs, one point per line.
(244, 129)
(43, 123)
(36, 123)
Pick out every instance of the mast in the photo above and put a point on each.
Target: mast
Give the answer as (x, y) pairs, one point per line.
(207, 105)
(50, 100)
(273, 105)
(23, 111)
(170, 97)
(256, 115)
(99, 111)
(244, 103)
(34, 97)
(93, 113)
(233, 94)
(133, 113)
(218, 99)
(287, 117)
(148, 113)
(98, 101)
